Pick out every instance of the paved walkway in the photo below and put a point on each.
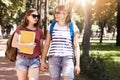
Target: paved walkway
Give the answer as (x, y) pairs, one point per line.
(7, 70)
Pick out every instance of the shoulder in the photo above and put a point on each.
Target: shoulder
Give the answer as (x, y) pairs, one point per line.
(18, 29)
(73, 24)
(51, 25)
(75, 27)
(39, 30)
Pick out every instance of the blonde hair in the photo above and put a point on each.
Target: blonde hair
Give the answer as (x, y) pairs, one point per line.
(66, 10)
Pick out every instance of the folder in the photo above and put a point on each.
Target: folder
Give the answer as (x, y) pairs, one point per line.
(26, 37)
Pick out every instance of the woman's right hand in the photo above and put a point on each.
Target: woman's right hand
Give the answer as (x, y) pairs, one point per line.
(23, 45)
(32, 46)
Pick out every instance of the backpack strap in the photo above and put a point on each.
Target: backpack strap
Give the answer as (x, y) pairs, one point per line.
(71, 30)
(51, 27)
(70, 26)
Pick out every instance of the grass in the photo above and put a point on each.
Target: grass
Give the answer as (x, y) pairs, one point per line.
(104, 38)
(107, 51)
(110, 53)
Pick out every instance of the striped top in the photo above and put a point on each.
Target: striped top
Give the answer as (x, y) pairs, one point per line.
(61, 44)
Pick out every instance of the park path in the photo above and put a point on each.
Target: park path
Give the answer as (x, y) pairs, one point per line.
(7, 70)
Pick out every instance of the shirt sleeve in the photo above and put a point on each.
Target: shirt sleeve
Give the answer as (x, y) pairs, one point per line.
(48, 28)
(41, 34)
(17, 29)
(75, 28)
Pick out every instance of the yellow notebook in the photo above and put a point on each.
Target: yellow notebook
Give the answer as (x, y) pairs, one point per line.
(27, 37)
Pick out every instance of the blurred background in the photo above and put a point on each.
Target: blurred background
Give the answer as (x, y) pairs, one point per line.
(97, 20)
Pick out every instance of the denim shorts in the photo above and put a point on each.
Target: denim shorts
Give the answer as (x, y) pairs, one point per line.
(61, 67)
(25, 63)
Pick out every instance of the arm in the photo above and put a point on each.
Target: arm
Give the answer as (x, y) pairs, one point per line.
(44, 66)
(41, 45)
(77, 53)
(18, 45)
(15, 40)
(45, 47)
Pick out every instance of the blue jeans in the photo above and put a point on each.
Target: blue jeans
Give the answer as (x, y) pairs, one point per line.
(25, 63)
(61, 67)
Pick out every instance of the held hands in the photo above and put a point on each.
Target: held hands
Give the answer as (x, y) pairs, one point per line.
(44, 67)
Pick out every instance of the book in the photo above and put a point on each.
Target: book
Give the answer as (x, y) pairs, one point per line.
(26, 37)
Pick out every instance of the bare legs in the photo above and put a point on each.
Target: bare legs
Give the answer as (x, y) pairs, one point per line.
(32, 74)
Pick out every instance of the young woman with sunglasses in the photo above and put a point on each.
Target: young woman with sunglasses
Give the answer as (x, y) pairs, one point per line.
(62, 50)
(27, 65)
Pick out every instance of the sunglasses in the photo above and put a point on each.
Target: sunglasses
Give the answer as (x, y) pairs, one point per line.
(34, 16)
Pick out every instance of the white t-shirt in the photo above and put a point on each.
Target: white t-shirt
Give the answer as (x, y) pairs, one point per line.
(61, 44)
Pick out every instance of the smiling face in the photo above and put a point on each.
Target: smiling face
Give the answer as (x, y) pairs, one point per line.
(60, 15)
(33, 17)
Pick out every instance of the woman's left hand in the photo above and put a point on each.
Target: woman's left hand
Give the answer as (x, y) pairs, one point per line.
(77, 69)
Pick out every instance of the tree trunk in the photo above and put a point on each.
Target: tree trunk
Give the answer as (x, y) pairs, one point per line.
(40, 12)
(35, 4)
(86, 37)
(118, 24)
(46, 16)
(102, 25)
(101, 34)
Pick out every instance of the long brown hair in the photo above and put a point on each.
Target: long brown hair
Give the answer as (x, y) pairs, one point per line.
(66, 10)
(25, 21)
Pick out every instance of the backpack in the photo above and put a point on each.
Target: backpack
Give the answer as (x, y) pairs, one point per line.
(11, 52)
(70, 26)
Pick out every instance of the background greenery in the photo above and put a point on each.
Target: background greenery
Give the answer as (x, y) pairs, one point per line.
(99, 61)
(103, 63)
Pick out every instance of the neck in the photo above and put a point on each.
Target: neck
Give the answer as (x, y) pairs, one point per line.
(30, 25)
(61, 23)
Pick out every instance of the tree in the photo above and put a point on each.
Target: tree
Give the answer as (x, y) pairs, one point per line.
(86, 36)
(46, 16)
(9, 13)
(103, 13)
(118, 24)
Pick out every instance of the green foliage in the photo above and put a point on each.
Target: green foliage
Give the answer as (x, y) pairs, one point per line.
(105, 11)
(80, 25)
(107, 51)
(94, 27)
(103, 63)
(112, 70)
(93, 67)
(10, 10)
(81, 77)
(6, 2)
(98, 68)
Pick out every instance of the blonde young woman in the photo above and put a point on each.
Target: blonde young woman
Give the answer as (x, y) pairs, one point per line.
(62, 50)
(27, 65)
